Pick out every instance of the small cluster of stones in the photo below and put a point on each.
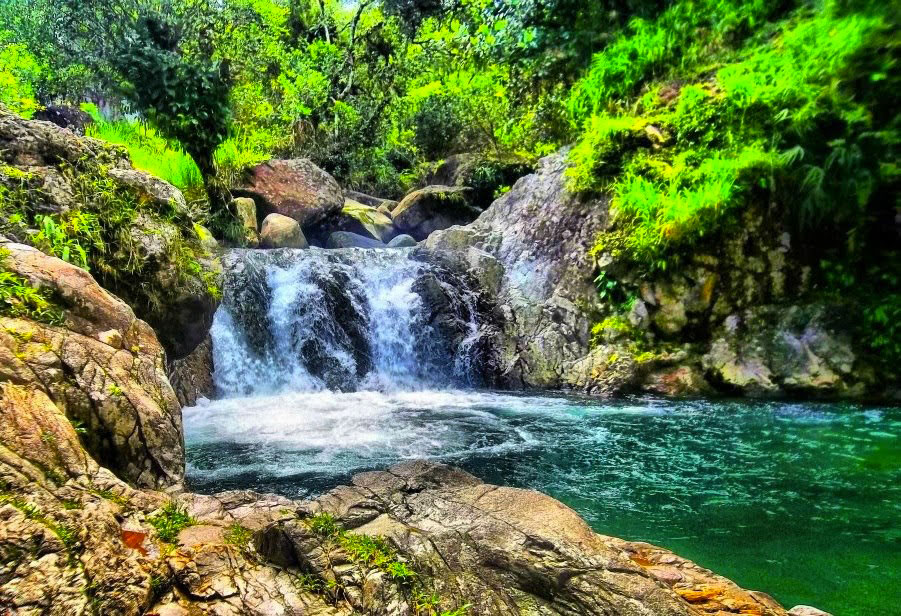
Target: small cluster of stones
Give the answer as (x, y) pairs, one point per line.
(300, 204)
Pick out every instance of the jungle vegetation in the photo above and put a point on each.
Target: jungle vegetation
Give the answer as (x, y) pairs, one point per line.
(687, 112)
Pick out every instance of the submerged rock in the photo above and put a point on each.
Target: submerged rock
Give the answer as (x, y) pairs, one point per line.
(806, 610)
(346, 239)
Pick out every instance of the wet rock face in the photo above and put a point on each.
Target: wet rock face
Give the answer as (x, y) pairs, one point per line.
(499, 550)
(772, 350)
(102, 366)
(729, 319)
(349, 328)
(192, 376)
(530, 251)
(295, 188)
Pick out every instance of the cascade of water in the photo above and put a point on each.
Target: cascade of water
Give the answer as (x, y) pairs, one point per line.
(342, 320)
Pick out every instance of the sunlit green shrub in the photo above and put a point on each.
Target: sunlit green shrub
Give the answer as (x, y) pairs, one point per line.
(689, 154)
(19, 69)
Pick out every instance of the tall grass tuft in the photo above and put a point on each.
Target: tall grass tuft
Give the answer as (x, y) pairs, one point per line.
(149, 151)
(153, 153)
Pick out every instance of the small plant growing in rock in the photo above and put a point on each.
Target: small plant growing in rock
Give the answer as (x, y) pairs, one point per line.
(158, 585)
(238, 535)
(170, 521)
(399, 570)
(310, 582)
(110, 496)
(323, 524)
(19, 299)
(425, 603)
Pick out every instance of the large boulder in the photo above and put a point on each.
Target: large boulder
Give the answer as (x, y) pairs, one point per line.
(192, 376)
(163, 195)
(184, 317)
(103, 367)
(63, 116)
(530, 250)
(355, 218)
(485, 175)
(281, 232)
(375, 202)
(44, 144)
(295, 188)
(365, 220)
(245, 210)
(432, 208)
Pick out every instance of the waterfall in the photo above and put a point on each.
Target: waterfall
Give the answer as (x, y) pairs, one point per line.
(344, 320)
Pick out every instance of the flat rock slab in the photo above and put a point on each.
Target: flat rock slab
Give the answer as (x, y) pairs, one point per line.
(499, 550)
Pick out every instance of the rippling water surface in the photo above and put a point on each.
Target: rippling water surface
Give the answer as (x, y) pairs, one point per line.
(802, 501)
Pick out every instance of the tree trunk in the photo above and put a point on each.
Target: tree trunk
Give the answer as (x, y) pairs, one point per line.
(218, 194)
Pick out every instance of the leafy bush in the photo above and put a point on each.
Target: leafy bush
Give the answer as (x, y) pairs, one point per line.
(692, 153)
(184, 94)
(19, 69)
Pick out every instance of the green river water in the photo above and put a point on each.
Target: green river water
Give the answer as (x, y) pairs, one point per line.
(800, 500)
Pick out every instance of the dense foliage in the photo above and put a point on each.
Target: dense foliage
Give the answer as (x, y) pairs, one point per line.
(688, 112)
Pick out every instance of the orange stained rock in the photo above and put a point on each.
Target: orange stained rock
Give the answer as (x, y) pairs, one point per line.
(135, 540)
